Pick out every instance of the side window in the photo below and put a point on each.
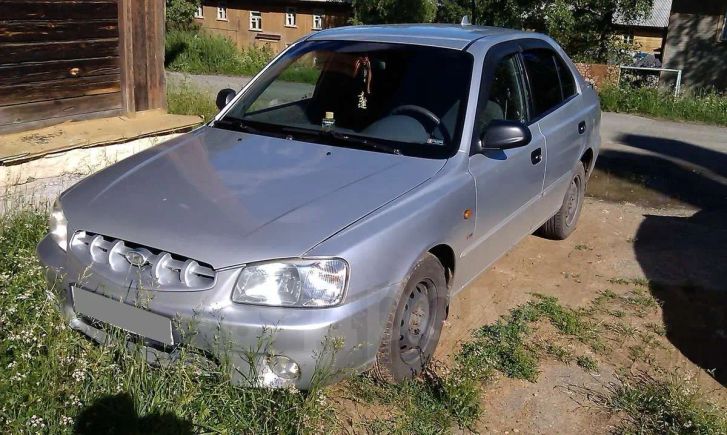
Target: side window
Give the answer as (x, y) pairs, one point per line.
(567, 82)
(506, 96)
(544, 80)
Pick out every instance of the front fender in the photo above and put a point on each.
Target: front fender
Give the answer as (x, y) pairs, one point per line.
(382, 248)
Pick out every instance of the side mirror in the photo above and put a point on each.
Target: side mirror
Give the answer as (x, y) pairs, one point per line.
(224, 97)
(503, 135)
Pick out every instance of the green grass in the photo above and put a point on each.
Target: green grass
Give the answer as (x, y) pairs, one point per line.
(185, 99)
(587, 363)
(200, 53)
(560, 353)
(705, 107)
(52, 379)
(672, 406)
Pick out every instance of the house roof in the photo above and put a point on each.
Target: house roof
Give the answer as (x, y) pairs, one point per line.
(658, 17)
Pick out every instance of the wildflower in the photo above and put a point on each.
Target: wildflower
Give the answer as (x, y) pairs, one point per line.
(79, 375)
(66, 421)
(36, 421)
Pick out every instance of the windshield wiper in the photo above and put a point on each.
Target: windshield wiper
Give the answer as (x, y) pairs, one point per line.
(342, 137)
(236, 124)
(366, 142)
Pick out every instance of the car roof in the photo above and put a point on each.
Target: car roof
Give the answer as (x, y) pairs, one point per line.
(437, 35)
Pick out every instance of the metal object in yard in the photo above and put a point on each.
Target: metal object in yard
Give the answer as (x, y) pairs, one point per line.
(677, 87)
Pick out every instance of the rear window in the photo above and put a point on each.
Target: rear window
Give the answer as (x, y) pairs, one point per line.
(551, 81)
(567, 82)
(544, 80)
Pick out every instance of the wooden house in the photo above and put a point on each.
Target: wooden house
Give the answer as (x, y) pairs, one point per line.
(70, 59)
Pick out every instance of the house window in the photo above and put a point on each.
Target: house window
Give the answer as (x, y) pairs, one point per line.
(629, 38)
(256, 20)
(290, 17)
(222, 11)
(199, 13)
(317, 20)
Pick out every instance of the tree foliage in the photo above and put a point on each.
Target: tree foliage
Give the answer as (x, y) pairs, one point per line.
(393, 11)
(180, 14)
(585, 28)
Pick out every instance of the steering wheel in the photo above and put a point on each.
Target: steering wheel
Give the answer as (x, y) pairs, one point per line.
(412, 108)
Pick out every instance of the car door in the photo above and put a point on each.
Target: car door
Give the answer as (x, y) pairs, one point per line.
(507, 182)
(556, 109)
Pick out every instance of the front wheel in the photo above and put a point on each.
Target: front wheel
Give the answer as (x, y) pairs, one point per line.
(563, 223)
(415, 324)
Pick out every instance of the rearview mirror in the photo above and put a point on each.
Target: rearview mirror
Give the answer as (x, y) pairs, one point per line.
(224, 97)
(502, 134)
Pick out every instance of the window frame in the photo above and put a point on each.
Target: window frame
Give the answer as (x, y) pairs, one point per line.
(222, 11)
(534, 44)
(258, 18)
(493, 57)
(199, 13)
(317, 13)
(291, 17)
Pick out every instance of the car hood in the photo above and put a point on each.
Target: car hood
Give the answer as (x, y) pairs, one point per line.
(226, 198)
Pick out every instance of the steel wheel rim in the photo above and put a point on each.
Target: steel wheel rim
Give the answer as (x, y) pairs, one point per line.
(572, 201)
(416, 320)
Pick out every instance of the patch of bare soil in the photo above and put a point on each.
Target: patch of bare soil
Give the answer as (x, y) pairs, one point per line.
(650, 280)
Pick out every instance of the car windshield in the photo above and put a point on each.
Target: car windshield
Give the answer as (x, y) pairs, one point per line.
(397, 98)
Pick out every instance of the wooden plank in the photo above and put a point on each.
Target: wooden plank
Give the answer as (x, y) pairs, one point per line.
(139, 47)
(22, 113)
(155, 54)
(57, 10)
(57, 69)
(12, 128)
(41, 91)
(126, 56)
(37, 51)
(48, 31)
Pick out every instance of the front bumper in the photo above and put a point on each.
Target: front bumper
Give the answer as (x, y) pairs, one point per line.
(336, 340)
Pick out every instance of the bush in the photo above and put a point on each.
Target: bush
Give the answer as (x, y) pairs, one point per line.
(200, 53)
(705, 106)
(180, 14)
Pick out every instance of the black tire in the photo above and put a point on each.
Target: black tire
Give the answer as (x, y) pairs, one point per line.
(564, 222)
(406, 346)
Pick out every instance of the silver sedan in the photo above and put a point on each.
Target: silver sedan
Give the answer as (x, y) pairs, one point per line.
(331, 210)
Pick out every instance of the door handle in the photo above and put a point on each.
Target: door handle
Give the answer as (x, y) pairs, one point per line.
(582, 127)
(536, 156)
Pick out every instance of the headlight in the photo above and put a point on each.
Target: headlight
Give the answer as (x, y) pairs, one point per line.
(58, 226)
(295, 283)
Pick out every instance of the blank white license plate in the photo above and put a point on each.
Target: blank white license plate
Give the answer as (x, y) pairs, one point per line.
(121, 315)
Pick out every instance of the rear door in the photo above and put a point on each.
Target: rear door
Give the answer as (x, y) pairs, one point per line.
(557, 111)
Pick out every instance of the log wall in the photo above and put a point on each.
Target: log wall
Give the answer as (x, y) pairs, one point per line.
(71, 59)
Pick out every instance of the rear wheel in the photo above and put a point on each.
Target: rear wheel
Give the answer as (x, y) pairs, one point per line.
(415, 324)
(564, 222)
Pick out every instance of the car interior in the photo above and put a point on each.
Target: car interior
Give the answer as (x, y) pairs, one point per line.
(404, 94)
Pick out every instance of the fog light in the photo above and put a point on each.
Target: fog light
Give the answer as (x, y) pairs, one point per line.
(283, 367)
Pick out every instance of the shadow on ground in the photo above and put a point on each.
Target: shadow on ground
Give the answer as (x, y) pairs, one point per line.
(677, 173)
(116, 415)
(684, 258)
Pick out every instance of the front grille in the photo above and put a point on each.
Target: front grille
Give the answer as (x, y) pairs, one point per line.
(162, 270)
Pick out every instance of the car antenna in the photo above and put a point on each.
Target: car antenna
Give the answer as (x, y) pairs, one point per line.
(466, 21)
